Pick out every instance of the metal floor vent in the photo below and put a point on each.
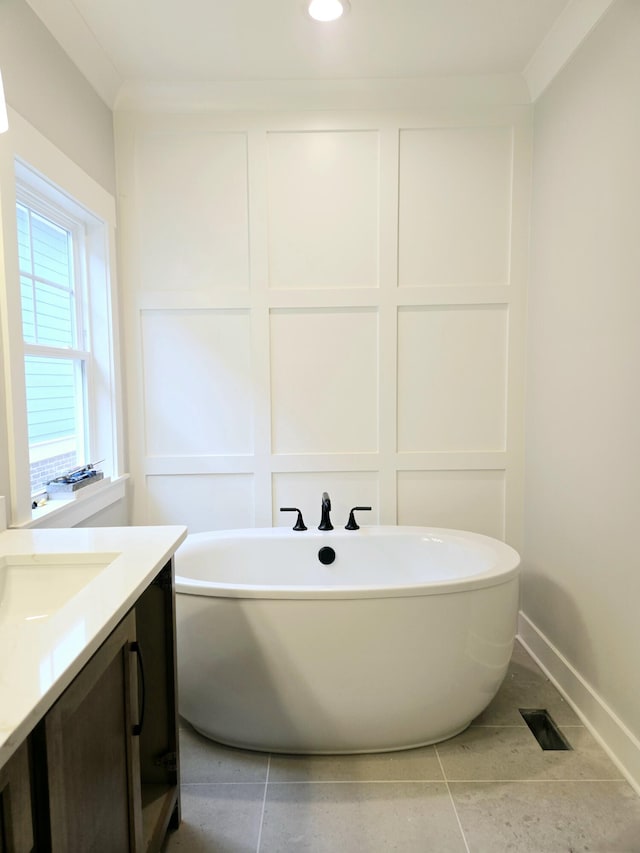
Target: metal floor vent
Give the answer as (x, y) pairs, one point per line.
(543, 728)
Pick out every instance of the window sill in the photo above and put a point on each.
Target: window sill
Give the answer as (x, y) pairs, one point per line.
(68, 512)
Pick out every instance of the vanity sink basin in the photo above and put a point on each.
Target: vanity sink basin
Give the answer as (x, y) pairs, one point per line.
(34, 586)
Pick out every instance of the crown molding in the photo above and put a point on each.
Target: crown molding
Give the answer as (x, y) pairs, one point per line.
(574, 24)
(318, 95)
(77, 39)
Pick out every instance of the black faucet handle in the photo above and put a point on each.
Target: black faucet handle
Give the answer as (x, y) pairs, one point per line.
(299, 525)
(325, 518)
(352, 524)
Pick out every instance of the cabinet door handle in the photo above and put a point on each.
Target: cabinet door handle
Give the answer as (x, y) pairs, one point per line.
(135, 648)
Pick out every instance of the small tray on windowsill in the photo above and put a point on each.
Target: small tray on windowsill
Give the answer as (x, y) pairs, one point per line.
(60, 489)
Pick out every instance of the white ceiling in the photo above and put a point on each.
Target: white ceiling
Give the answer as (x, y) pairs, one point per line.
(117, 42)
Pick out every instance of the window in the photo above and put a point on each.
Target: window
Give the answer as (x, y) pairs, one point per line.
(57, 357)
(58, 333)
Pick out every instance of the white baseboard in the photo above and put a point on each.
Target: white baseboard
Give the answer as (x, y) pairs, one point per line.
(622, 746)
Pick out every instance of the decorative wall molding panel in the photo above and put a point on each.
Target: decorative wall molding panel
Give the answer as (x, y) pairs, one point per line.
(323, 209)
(455, 205)
(193, 221)
(461, 401)
(200, 363)
(326, 302)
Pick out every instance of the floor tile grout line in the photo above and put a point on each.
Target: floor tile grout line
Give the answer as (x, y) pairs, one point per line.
(356, 782)
(264, 804)
(533, 781)
(518, 726)
(399, 781)
(220, 782)
(453, 805)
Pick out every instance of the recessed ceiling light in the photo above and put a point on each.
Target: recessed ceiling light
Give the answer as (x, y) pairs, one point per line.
(327, 10)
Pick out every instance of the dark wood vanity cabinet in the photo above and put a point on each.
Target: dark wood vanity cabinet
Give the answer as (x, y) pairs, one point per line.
(16, 824)
(92, 756)
(104, 760)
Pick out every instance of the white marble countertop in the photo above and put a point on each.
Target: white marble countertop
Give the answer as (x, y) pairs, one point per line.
(41, 652)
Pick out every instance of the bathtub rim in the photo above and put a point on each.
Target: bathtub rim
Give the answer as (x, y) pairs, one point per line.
(506, 569)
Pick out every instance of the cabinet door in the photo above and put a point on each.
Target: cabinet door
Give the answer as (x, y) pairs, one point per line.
(93, 765)
(16, 825)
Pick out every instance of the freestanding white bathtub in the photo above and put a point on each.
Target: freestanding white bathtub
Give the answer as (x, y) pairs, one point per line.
(400, 642)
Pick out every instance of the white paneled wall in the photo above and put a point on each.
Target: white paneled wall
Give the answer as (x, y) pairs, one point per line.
(452, 397)
(455, 205)
(323, 209)
(470, 500)
(326, 302)
(324, 380)
(198, 404)
(193, 222)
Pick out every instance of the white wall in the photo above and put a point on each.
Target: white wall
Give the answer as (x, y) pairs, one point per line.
(326, 301)
(582, 570)
(47, 89)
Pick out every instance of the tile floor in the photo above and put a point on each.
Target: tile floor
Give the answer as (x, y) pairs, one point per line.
(490, 789)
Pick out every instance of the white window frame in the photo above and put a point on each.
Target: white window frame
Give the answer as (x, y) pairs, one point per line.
(31, 162)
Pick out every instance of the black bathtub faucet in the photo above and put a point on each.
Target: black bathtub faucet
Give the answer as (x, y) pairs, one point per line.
(325, 520)
(299, 525)
(352, 524)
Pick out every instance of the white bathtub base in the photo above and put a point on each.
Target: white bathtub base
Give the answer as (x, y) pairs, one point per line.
(300, 750)
(338, 676)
